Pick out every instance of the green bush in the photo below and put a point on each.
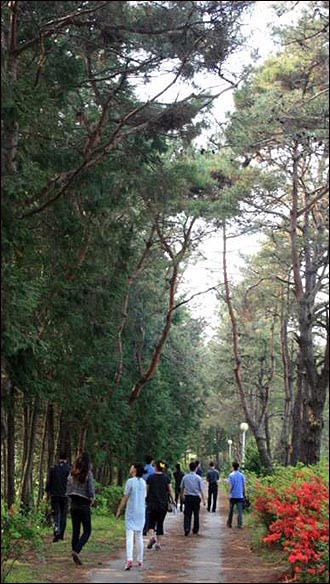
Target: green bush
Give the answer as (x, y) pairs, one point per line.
(19, 532)
(108, 499)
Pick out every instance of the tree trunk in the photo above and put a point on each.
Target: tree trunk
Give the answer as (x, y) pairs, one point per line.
(267, 435)
(50, 436)
(10, 474)
(82, 438)
(26, 424)
(41, 486)
(26, 493)
(64, 437)
(283, 448)
(315, 391)
(297, 417)
(120, 475)
(315, 388)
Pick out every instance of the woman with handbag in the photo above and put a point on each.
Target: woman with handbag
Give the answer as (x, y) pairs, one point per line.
(159, 489)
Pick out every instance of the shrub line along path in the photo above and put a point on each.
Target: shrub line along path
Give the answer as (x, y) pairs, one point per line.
(216, 555)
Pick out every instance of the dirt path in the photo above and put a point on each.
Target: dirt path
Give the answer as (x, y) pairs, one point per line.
(216, 555)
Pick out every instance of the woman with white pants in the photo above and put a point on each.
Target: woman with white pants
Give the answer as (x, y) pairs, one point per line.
(134, 499)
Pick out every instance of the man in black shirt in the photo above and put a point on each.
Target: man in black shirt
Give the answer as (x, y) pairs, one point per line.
(55, 490)
(159, 490)
(212, 478)
(178, 476)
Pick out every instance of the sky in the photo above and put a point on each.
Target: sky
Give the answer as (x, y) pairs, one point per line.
(206, 271)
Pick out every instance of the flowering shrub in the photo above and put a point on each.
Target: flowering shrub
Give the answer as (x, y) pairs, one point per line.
(295, 514)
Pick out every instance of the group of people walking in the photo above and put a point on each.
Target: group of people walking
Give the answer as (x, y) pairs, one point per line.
(149, 492)
(147, 496)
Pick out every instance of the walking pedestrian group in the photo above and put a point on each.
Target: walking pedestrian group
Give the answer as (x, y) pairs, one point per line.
(148, 496)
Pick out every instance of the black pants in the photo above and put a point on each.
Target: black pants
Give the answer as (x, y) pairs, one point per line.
(212, 495)
(59, 507)
(178, 496)
(146, 523)
(191, 506)
(81, 516)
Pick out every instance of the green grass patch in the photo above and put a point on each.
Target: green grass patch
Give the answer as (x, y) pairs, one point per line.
(54, 562)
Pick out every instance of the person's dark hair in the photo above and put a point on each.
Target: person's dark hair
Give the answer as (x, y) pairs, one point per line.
(193, 466)
(81, 467)
(211, 463)
(196, 462)
(63, 455)
(139, 469)
(160, 466)
(148, 459)
(235, 465)
(178, 466)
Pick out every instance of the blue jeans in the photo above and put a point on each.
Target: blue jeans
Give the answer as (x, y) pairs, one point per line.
(239, 503)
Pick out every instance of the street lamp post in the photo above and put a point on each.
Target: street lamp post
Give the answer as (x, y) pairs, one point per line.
(244, 427)
(229, 442)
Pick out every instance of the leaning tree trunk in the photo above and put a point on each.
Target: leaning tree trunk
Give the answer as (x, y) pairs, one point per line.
(256, 426)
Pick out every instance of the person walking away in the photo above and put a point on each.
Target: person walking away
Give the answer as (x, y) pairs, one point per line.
(159, 489)
(80, 489)
(55, 491)
(212, 478)
(236, 482)
(192, 489)
(134, 499)
(167, 470)
(199, 471)
(178, 476)
(149, 469)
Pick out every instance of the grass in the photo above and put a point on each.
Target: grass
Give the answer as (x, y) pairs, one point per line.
(54, 562)
(270, 554)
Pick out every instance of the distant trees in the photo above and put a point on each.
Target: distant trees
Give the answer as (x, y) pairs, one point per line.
(280, 127)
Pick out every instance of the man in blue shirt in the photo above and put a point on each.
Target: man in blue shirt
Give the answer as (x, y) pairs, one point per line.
(236, 482)
(192, 488)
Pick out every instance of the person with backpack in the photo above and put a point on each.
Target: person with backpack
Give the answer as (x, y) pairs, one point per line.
(55, 491)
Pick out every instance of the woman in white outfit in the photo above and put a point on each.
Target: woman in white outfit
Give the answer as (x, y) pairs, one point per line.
(134, 499)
